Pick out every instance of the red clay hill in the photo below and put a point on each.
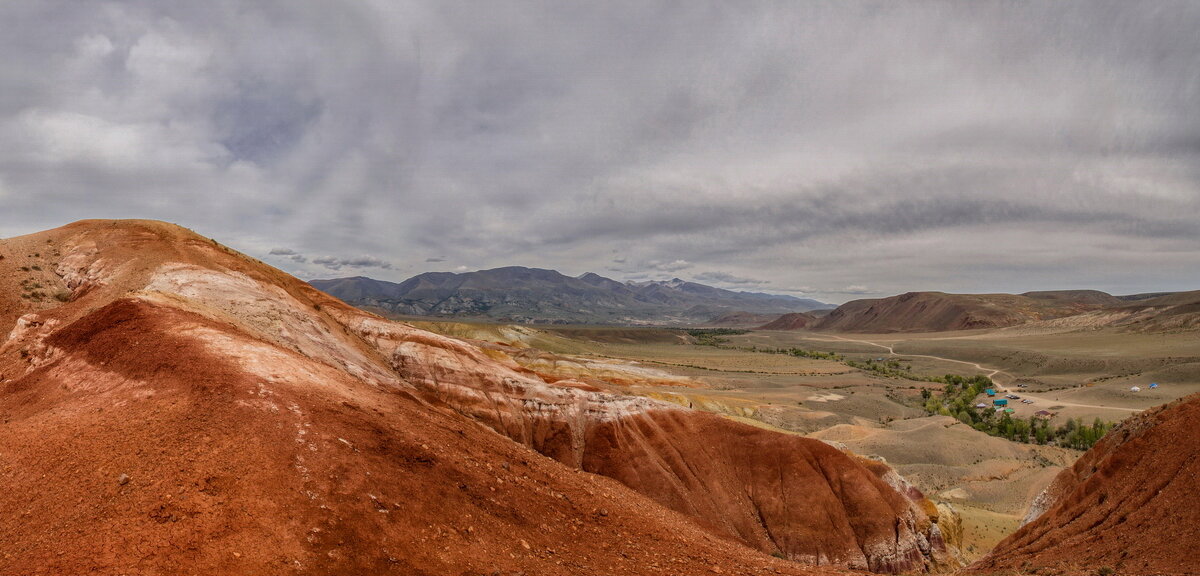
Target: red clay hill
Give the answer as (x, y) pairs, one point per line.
(170, 406)
(1128, 506)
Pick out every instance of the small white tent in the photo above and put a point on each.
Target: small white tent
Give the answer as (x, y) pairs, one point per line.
(1135, 389)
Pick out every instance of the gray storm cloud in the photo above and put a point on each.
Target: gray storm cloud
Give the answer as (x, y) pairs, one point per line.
(959, 146)
(335, 263)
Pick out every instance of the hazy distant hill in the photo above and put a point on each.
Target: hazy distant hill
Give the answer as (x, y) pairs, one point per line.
(791, 321)
(521, 294)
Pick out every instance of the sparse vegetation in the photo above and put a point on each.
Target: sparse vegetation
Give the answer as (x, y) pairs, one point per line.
(891, 368)
(797, 352)
(713, 336)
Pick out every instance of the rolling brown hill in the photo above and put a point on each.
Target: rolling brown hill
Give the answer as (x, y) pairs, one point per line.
(931, 312)
(938, 311)
(168, 405)
(1129, 505)
(794, 321)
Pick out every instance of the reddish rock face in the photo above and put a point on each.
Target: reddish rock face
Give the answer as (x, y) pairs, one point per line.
(1130, 504)
(179, 407)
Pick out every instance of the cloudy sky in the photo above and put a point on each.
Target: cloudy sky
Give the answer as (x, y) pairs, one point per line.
(835, 149)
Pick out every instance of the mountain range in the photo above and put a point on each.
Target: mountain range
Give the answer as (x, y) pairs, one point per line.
(534, 295)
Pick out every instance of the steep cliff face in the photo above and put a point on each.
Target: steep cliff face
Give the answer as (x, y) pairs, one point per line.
(176, 406)
(1129, 504)
(942, 541)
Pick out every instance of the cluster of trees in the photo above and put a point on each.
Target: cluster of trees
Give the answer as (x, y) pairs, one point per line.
(957, 399)
(797, 352)
(713, 336)
(890, 368)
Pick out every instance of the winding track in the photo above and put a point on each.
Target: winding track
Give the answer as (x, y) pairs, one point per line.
(991, 374)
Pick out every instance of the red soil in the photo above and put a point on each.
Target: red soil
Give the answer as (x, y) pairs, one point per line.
(191, 410)
(1130, 504)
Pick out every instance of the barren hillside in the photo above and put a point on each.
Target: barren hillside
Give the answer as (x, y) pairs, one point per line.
(1127, 506)
(169, 405)
(938, 311)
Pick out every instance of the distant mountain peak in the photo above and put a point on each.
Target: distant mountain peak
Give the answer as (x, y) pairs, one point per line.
(519, 294)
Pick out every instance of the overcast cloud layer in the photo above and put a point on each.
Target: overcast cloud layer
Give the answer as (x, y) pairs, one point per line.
(835, 149)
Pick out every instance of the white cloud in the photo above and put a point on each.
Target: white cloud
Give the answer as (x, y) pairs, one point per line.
(727, 278)
(359, 262)
(839, 144)
(672, 266)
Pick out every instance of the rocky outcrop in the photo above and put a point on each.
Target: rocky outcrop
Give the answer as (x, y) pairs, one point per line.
(950, 528)
(1129, 504)
(941, 540)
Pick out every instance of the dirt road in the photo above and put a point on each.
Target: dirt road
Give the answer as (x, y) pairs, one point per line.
(991, 373)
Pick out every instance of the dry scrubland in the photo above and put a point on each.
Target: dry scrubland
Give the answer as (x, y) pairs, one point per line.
(990, 481)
